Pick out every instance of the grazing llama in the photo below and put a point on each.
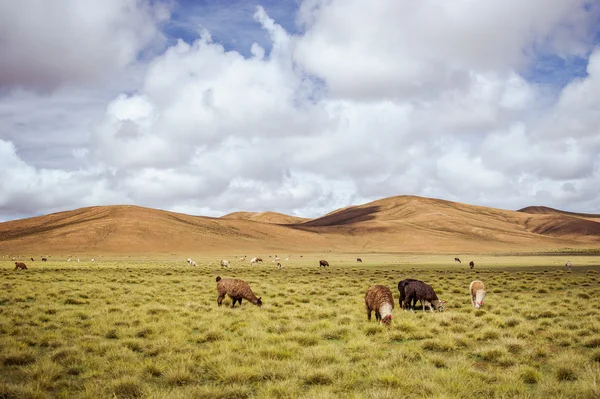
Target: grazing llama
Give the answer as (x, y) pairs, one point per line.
(236, 289)
(477, 290)
(418, 290)
(379, 299)
(20, 265)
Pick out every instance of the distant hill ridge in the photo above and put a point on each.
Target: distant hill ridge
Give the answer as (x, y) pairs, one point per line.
(395, 224)
(544, 210)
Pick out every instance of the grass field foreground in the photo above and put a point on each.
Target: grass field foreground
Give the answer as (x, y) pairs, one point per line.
(153, 329)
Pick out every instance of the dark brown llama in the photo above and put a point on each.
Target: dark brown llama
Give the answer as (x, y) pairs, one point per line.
(20, 265)
(418, 290)
(401, 287)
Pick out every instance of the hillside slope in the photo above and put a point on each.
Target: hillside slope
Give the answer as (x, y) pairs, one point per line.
(265, 217)
(395, 224)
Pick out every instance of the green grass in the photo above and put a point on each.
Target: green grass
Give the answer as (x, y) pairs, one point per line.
(152, 329)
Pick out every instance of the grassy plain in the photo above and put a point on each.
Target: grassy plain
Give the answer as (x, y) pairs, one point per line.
(148, 328)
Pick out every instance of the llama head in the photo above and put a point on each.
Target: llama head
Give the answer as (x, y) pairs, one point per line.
(259, 301)
(387, 320)
(479, 297)
(439, 305)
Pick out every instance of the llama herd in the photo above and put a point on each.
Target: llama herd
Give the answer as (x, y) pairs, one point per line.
(378, 299)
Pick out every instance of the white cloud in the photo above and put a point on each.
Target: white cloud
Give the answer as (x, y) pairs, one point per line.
(397, 97)
(46, 44)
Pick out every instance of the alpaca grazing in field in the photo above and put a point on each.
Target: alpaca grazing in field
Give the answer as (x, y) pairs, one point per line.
(32, 260)
(20, 265)
(568, 265)
(253, 261)
(457, 260)
(472, 264)
(236, 289)
(224, 263)
(191, 262)
(323, 263)
(44, 259)
(379, 299)
(477, 290)
(401, 287)
(358, 260)
(418, 290)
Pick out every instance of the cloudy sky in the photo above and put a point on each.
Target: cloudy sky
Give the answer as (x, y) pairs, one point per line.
(301, 107)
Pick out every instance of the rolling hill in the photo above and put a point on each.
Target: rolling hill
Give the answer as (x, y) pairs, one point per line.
(395, 224)
(265, 217)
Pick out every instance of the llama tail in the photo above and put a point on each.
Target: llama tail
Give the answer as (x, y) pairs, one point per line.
(218, 278)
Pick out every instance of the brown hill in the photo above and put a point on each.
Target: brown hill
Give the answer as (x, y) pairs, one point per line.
(398, 224)
(265, 217)
(544, 210)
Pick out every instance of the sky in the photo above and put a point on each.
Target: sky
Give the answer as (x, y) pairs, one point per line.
(297, 106)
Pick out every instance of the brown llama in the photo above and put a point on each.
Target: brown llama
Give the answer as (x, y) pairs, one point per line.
(236, 289)
(401, 287)
(359, 260)
(472, 264)
(20, 265)
(418, 290)
(323, 263)
(379, 299)
(457, 260)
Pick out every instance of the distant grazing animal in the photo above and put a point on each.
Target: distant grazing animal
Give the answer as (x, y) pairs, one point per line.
(253, 261)
(259, 260)
(457, 260)
(68, 260)
(44, 259)
(359, 260)
(224, 263)
(20, 265)
(276, 259)
(568, 265)
(32, 260)
(323, 263)
(93, 260)
(379, 299)
(401, 287)
(189, 261)
(418, 290)
(472, 264)
(242, 259)
(278, 265)
(286, 259)
(477, 290)
(236, 289)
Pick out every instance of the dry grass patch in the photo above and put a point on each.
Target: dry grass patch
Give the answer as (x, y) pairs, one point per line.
(154, 330)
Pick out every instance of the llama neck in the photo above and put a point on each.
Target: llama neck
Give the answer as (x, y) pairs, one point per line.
(479, 296)
(385, 310)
